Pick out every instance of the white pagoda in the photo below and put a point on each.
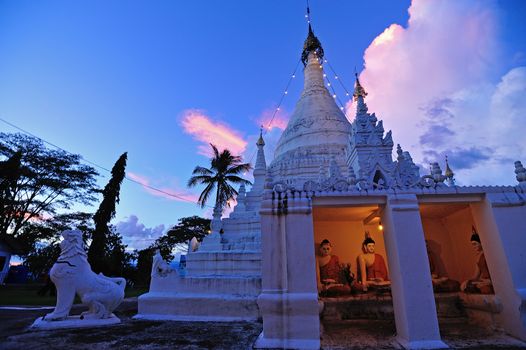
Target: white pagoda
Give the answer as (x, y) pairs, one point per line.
(335, 179)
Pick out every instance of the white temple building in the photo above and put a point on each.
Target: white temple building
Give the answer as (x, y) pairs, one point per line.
(334, 179)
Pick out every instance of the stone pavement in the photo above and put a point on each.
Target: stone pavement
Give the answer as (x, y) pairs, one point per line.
(140, 335)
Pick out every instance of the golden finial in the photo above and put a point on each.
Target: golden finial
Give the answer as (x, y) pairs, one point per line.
(358, 89)
(449, 173)
(260, 142)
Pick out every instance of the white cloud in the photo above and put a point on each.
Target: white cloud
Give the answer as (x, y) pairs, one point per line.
(136, 235)
(435, 83)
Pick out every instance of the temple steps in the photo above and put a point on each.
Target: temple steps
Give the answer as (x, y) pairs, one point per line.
(372, 306)
(231, 262)
(242, 225)
(221, 281)
(245, 242)
(242, 246)
(235, 285)
(197, 307)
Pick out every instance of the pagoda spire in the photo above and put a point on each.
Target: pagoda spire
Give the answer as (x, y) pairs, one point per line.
(311, 44)
(359, 96)
(450, 175)
(260, 169)
(317, 128)
(359, 91)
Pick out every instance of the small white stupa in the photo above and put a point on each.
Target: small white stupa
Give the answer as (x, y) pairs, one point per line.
(223, 277)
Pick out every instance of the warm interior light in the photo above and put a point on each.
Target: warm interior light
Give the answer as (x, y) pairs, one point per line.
(380, 226)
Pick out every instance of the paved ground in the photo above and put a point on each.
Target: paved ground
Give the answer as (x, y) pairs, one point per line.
(142, 335)
(380, 334)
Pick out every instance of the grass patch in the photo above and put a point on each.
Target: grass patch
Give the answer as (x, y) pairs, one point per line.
(135, 291)
(26, 294)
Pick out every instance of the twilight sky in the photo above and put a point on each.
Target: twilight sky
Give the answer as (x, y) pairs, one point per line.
(161, 79)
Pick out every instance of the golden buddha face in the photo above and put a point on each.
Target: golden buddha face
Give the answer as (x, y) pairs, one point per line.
(325, 249)
(369, 248)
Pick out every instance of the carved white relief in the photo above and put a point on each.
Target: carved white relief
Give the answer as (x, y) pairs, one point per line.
(280, 187)
(160, 268)
(310, 186)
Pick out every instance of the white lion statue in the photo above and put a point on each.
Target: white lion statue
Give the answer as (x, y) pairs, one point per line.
(72, 275)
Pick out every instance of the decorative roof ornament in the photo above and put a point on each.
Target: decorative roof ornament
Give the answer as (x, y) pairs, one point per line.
(312, 44)
(358, 89)
(352, 176)
(450, 179)
(334, 170)
(520, 173)
(400, 153)
(241, 199)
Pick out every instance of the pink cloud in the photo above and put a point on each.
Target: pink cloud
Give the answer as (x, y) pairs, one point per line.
(204, 129)
(446, 47)
(438, 83)
(270, 119)
(177, 194)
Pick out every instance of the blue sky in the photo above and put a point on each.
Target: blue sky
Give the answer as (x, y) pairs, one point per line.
(99, 78)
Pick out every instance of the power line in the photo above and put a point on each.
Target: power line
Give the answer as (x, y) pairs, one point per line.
(180, 197)
(267, 128)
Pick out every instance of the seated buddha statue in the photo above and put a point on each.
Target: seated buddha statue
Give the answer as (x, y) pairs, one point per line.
(441, 284)
(330, 273)
(480, 282)
(372, 271)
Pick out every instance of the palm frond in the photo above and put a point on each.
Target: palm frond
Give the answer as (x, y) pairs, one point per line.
(203, 197)
(240, 168)
(228, 192)
(199, 179)
(224, 170)
(202, 171)
(237, 180)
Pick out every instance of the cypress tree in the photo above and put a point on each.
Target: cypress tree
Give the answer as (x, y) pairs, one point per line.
(103, 216)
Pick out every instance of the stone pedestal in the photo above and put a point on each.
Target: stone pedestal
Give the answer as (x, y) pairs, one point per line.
(289, 299)
(412, 289)
(74, 322)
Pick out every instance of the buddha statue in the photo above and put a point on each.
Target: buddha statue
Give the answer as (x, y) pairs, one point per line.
(372, 271)
(330, 273)
(480, 282)
(441, 284)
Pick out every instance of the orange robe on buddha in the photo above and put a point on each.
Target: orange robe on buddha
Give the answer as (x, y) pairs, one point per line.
(377, 270)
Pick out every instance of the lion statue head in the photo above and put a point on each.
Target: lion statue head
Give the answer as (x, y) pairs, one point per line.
(72, 244)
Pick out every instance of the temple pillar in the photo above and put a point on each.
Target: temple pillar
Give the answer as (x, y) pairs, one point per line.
(411, 286)
(499, 219)
(288, 302)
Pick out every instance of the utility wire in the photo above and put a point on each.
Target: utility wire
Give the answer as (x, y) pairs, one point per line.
(99, 166)
(347, 93)
(342, 106)
(278, 108)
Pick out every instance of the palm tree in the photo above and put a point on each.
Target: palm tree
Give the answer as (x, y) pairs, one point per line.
(224, 170)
